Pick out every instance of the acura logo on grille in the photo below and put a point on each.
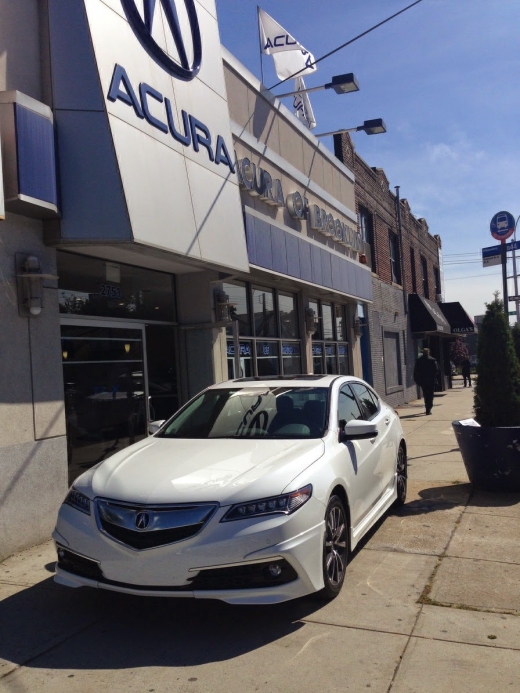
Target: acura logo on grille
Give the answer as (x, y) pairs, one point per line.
(142, 520)
(143, 30)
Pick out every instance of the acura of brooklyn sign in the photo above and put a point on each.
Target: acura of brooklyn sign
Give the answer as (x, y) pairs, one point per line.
(162, 79)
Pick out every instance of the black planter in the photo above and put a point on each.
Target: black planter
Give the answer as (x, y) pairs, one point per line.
(491, 456)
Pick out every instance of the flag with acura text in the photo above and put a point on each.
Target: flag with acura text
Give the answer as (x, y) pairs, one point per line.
(302, 105)
(289, 56)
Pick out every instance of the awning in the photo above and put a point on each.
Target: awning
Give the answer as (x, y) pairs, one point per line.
(426, 316)
(459, 320)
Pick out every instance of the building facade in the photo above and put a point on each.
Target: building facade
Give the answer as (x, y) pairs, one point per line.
(147, 199)
(406, 281)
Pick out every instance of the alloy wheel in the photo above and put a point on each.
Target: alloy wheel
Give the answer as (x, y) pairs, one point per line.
(335, 545)
(402, 476)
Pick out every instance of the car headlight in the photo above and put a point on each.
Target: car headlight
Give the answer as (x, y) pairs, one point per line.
(276, 505)
(78, 500)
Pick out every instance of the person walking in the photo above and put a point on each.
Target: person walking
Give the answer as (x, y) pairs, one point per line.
(466, 372)
(425, 375)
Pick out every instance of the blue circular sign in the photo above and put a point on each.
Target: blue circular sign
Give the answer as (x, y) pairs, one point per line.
(143, 30)
(502, 226)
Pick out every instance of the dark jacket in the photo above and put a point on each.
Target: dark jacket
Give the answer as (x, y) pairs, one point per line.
(466, 367)
(425, 371)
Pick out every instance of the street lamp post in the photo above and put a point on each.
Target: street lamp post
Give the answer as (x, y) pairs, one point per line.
(371, 127)
(342, 84)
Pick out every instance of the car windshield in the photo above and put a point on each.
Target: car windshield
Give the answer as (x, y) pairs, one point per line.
(270, 412)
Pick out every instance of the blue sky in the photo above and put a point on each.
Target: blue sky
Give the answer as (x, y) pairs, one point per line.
(445, 77)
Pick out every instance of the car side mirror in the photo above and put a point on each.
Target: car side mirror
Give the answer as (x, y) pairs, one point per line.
(359, 430)
(154, 426)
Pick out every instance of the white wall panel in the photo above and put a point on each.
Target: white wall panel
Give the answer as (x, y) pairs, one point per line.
(212, 200)
(197, 215)
(157, 192)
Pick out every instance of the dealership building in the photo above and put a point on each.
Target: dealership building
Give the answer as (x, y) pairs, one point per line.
(145, 202)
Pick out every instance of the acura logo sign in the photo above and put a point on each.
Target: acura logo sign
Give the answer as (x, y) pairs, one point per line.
(143, 26)
(142, 520)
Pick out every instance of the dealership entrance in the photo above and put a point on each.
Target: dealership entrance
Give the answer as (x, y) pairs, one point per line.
(117, 378)
(119, 355)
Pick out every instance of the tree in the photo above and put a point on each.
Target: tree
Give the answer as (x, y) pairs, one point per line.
(458, 351)
(516, 339)
(497, 392)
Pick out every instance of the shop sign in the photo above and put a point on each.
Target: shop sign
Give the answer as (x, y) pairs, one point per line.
(245, 349)
(194, 133)
(463, 330)
(259, 183)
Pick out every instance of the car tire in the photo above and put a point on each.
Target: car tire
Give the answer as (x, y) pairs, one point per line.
(335, 549)
(401, 480)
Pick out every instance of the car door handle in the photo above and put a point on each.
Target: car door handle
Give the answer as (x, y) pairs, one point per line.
(387, 422)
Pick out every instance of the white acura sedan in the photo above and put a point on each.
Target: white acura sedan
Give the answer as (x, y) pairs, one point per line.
(254, 492)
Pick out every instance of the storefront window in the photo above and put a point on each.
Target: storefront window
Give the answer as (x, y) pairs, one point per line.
(343, 365)
(317, 359)
(330, 359)
(291, 358)
(246, 363)
(328, 327)
(313, 305)
(288, 316)
(267, 358)
(264, 313)
(341, 325)
(239, 307)
(89, 286)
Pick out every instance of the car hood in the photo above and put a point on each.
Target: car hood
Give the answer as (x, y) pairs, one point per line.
(161, 470)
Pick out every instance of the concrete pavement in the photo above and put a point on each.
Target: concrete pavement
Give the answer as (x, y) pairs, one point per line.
(431, 603)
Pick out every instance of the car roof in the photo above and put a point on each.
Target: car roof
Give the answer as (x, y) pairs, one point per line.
(284, 381)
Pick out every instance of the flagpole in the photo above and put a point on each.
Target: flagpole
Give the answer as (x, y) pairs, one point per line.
(260, 43)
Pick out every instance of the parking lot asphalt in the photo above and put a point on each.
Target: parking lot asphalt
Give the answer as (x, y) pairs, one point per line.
(430, 603)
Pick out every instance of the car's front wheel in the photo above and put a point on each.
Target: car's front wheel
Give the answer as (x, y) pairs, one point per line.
(401, 476)
(335, 548)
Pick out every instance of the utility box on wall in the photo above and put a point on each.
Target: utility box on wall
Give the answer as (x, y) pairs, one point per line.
(28, 156)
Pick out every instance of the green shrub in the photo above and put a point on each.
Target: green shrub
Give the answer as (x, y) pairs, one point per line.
(516, 339)
(497, 392)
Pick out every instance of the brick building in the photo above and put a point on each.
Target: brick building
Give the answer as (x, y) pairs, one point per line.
(406, 279)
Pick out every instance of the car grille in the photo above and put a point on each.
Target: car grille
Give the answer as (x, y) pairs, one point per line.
(146, 527)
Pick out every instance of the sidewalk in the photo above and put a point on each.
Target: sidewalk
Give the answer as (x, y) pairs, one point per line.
(430, 604)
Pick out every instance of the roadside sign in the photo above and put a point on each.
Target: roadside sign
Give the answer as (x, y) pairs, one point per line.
(514, 298)
(502, 226)
(491, 254)
(491, 260)
(512, 312)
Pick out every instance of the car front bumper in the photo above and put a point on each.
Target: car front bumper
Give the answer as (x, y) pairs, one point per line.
(170, 570)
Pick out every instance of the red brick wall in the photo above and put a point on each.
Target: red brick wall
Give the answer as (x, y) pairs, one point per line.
(373, 193)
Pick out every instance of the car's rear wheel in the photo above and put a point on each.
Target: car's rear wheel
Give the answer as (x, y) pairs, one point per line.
(401, 476)
(335, 548)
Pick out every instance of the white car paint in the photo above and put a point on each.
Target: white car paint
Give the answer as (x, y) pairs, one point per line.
(229, 471)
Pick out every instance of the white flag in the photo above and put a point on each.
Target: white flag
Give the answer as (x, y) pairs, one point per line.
(302, 105)
(289, 56)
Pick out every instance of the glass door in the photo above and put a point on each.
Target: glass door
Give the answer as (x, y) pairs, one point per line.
(105, 390)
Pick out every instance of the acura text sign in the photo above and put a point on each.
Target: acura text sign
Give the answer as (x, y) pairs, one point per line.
(162, 78)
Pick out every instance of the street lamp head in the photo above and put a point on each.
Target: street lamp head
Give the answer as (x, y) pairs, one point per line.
(343, 84)
(373, 127)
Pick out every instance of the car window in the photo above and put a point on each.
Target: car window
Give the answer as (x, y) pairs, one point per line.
(369, 401)
(269, 412)
(348, 408)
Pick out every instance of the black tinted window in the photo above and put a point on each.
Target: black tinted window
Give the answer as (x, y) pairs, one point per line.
(369, 401)
(348, 408)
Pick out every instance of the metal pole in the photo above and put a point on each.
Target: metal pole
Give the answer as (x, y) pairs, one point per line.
(260, 43)
(236, 343)
(517, 303)
(503, 254)
(401, 245)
